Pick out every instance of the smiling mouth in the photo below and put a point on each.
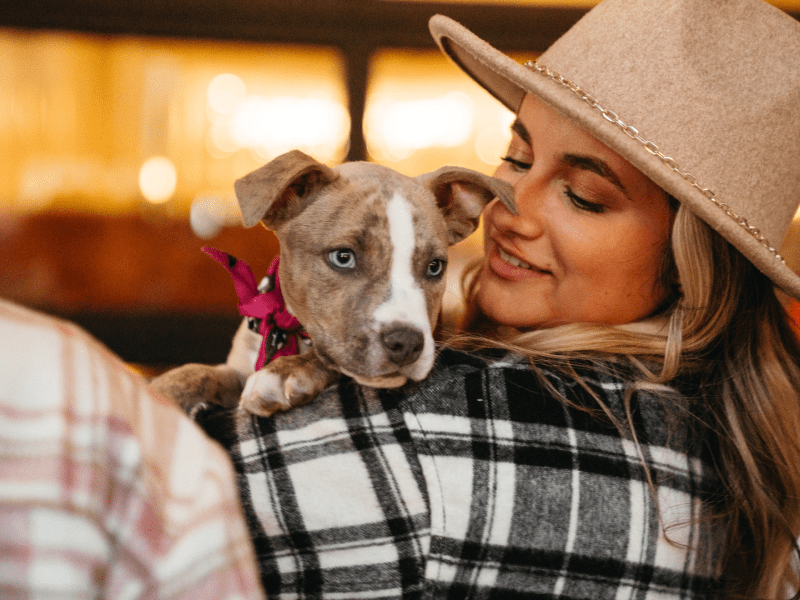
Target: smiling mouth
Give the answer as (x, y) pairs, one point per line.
(512, 260)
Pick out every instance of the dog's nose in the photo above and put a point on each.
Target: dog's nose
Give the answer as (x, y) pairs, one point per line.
(403, 344)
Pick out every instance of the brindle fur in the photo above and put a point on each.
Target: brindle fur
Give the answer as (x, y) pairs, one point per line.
(313, 209)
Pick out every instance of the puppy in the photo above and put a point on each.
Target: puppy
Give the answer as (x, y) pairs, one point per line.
(363, 253)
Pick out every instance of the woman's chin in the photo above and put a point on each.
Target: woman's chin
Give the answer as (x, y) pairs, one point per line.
(502, 309)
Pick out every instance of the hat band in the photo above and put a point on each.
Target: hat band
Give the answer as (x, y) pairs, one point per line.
(653, 149)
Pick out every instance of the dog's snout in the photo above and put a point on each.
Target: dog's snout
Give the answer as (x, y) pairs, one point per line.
(403, 344)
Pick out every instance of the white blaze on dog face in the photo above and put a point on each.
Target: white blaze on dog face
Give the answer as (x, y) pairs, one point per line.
(373, 319)
(407, 303)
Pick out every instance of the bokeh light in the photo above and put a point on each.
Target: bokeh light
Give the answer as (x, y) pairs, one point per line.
(271, 125)
(491, 142)
(157, 179)
(397, 128)
(225, 92)
(209, 214)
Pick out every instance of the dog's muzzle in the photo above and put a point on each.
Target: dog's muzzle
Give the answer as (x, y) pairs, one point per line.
(403, 344)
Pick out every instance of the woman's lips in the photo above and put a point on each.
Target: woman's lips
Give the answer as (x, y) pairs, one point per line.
(510, 267)
(512, 259)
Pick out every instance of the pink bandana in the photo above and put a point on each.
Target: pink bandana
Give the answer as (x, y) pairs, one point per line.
(277, 326)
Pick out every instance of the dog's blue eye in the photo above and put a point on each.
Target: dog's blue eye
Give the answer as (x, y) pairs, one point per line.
(343, 258)
(436, 267)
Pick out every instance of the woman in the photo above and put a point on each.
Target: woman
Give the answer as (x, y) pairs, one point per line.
(630, 426)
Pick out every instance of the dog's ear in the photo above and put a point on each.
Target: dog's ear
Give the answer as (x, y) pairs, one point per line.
(462, 195)
(275, 192)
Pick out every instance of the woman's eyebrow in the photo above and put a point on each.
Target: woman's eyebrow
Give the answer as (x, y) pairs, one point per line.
(518, 128)
(595, 165)
(577, 161)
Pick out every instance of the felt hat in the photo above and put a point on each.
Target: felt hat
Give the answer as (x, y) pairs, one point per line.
(702, 96)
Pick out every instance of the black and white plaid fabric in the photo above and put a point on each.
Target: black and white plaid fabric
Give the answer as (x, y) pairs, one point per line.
(477, 483)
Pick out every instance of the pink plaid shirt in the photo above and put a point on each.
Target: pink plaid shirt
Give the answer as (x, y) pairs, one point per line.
(105, 489)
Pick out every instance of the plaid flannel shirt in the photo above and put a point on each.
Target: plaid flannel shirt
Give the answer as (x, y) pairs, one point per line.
(107, 491)
(476, 483)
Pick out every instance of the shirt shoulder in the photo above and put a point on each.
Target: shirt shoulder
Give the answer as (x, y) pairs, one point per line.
(114, 488)
(556, 481)
(487, 478)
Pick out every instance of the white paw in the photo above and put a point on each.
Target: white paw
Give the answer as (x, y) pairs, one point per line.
(263, 394)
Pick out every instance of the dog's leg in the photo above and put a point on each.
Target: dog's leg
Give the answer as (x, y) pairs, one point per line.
(285, 383)
(194, 386)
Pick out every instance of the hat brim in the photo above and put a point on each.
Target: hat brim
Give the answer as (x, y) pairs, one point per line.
(509, 82)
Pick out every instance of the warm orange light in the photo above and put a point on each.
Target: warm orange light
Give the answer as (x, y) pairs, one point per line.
(269, 125)
(422, 113)
(157, 179)
(272, 125)
(210, 214)
(225, 93)
(83, 112)
(491, 142)
(399, 127)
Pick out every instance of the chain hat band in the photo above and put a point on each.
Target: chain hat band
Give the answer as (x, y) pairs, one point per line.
(653, 149)
(702, 96)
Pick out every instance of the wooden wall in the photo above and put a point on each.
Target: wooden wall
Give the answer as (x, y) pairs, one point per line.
(143, 287)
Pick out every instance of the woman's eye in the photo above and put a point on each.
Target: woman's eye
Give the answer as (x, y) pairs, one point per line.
(343, 258)
(516, 164)
(436, 267)
(582, 204)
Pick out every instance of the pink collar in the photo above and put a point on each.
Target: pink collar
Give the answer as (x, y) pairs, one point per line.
(278, 327)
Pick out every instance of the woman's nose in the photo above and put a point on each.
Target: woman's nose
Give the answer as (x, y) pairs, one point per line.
(527, 222)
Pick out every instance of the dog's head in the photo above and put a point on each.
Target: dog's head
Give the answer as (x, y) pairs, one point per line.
(363, 255)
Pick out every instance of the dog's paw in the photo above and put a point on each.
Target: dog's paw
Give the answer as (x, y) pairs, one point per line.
(264, 394)
(285, 383)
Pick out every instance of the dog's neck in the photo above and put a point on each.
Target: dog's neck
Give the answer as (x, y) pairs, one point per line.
(264, 308)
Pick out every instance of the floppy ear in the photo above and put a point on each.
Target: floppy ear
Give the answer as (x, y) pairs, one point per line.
(462, 195)
(280, 189)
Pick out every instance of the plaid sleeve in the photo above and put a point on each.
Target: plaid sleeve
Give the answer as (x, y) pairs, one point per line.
(107, 491)
(476, 483)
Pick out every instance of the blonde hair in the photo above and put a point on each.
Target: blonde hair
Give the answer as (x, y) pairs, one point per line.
(728, 329)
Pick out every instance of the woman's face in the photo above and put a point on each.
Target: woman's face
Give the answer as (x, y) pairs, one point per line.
(588, 242)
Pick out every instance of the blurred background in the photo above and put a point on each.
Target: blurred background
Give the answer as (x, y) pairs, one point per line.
(124, 124)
